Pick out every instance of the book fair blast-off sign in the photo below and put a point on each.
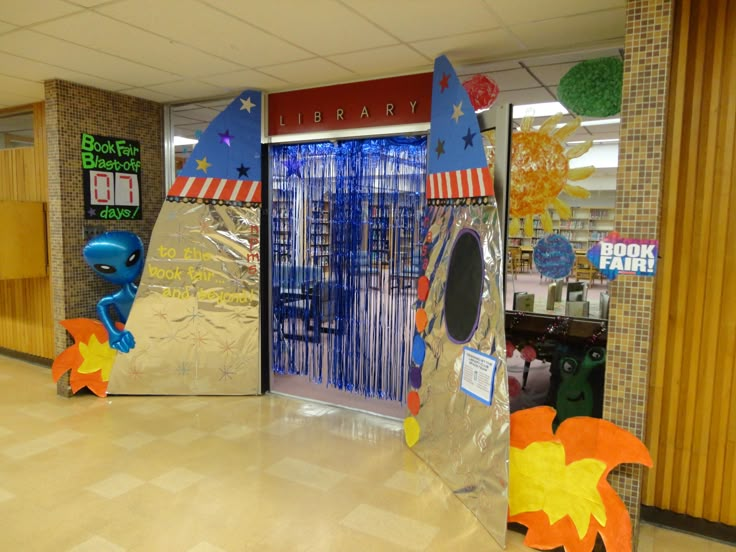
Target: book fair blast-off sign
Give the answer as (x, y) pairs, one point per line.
(111, 169)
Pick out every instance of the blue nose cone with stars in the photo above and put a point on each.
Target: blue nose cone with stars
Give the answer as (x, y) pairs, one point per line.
(225, 165)
(457, 167)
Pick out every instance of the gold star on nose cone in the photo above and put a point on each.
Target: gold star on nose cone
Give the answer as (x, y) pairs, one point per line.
(203, 165)
(247, 104)
(457, 111)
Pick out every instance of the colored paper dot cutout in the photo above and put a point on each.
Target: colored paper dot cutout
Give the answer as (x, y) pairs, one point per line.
(415, 377)
(413, 402)
(418, 350)
(421, 320)
(423, 288)
(411, 431)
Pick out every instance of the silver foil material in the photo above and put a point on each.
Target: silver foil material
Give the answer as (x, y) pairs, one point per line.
(195, 319)
(465, 441)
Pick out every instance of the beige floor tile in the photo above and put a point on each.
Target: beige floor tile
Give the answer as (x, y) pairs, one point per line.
(185, 436)
(304, 473)
(134, 440)
(42, 444)
(241, 474)
(177, 479)
(233, 431)
(403, 531)
(97, 544)
(115, 485)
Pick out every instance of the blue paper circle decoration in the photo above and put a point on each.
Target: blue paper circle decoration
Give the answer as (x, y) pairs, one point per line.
(554, 257)
(418, 350)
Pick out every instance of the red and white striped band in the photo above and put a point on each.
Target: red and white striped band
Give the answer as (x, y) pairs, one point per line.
(216, 189)
(460, 184)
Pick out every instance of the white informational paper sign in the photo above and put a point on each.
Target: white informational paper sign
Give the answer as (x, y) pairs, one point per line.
(478, 375)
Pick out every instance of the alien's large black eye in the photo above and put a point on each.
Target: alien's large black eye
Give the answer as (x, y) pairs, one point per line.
(133, 258)
(569, 366)
(105, 269)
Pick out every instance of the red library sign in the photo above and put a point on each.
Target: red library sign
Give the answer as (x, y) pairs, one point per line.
(382, 102)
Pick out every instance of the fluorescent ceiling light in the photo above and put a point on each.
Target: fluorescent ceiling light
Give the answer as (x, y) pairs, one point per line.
(600, 141)
(598, 122)
(182, 141)
(546, 109)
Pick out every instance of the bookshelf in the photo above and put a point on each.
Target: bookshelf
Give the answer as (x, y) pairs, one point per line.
(378, 235)
(405, 249)
(319, 233)
(283, 225)
(586, 227)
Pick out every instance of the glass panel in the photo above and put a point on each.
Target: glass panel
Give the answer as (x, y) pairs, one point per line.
(16, 130)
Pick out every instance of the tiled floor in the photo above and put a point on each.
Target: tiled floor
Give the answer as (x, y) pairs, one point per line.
(202, 474)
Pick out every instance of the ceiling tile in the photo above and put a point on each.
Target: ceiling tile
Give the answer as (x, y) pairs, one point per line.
(314, 23)
(9, 98)
(53, 51)
(479, 68)
(310, 71)
(471, 47)
(5, 27)
(246, 78)
(391, 59)
(104, 34)
(188, 89)
(515, 79)
(571, 57)
(412, 21)
(21, 87)
(88, 3)
(206, 29)
(572, 31)
(522, 97)
(152, 95)
(515, 12)
(37, 71)
(29, 12)
(551, 74)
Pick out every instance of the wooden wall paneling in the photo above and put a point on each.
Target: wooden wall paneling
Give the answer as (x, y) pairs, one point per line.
(26, 317)
(692, 418)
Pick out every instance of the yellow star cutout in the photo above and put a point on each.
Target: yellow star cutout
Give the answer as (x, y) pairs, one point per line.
(203, 165)
(247, 104)
(97, 357)
(457, 111)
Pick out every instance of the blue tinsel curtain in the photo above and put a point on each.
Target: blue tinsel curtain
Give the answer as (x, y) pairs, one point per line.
(345, 261)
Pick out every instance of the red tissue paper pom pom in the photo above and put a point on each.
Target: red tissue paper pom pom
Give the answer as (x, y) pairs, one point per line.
(482, 91)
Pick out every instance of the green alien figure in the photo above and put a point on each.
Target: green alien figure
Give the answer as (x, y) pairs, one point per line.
(575, 394)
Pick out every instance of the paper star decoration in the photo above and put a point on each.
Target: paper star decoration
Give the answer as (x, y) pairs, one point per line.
(440, 149)
(243, 171)
(468, 138)
(247, 104)
(444, 82)
(293, 168)
(457, 111)
(203, 165)
(225, 137)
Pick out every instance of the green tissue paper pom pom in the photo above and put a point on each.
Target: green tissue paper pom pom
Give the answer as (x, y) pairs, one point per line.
(592, 88)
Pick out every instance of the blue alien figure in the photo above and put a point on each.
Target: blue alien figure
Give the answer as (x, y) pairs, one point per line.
(118, 258)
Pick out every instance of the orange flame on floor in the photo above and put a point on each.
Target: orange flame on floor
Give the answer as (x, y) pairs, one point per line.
(582, 438)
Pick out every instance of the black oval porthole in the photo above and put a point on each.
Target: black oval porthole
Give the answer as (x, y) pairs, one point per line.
(463, 292)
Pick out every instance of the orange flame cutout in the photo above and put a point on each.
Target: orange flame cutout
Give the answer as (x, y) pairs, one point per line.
(583, 445)
(89, 359)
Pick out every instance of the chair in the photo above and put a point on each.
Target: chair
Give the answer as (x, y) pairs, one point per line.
(513, 261)
(584, 269)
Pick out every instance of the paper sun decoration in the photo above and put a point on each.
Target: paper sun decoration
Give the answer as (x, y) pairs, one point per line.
(540, 170)
(89, 360)
(557, 481)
